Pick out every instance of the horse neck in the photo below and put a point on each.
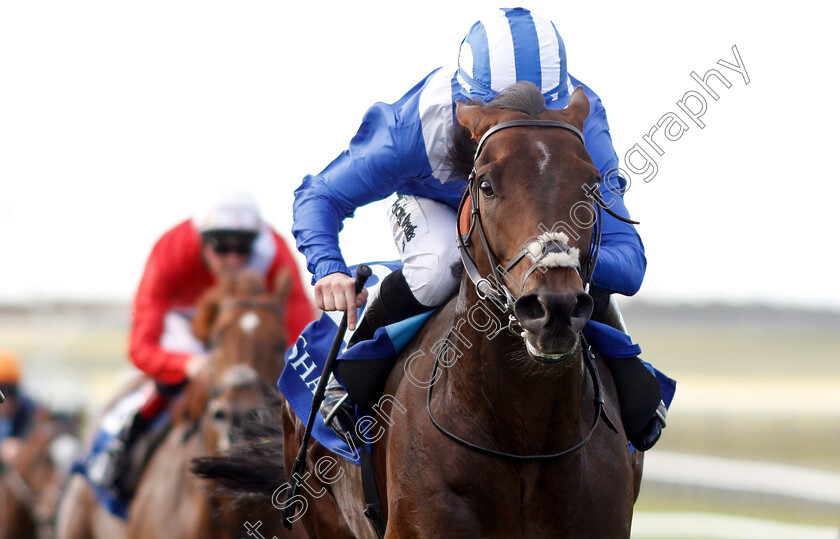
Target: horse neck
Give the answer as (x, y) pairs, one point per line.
(504, 389)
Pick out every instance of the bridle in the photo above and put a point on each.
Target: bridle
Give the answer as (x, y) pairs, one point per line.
(235, 376)
(598, 401)
(216, 337)
(497, 291)
(504, 299)
(243, 374)
(245, 303)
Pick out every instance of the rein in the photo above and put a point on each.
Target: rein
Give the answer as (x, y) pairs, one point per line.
(598, 401)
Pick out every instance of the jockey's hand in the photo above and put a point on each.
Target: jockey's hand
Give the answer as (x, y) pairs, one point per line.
(336, 292)
(195, 365)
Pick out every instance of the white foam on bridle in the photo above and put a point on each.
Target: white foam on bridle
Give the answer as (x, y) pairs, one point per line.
(249, 322)
(546, 157)
(536, 252)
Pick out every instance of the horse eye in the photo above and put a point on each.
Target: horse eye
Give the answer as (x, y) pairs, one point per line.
(486, 189)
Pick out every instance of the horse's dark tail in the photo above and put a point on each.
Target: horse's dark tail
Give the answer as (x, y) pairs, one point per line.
(254, 464)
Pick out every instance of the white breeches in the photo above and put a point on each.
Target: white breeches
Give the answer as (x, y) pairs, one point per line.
(424, 233)
(178, 336)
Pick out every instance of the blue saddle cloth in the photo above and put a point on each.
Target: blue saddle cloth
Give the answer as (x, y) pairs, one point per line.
(91, 466)
(306, 358)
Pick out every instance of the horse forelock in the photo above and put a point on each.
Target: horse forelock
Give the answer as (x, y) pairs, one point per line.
(522, 97)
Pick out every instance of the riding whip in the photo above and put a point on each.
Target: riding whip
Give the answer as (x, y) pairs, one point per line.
(362, 274)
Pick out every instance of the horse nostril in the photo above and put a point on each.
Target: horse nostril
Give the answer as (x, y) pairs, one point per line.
(583, 306)
(530, 312)
(581, 311)
(539, 311)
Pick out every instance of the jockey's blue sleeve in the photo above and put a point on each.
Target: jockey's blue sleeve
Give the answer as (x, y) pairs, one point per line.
(322, 202)
(388, 152)
(621, 260)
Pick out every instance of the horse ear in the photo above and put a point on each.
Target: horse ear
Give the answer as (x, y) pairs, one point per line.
(578, 106)
(473, 117)
(283, 285)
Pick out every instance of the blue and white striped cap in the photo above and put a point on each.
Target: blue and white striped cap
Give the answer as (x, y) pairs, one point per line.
(510, 46)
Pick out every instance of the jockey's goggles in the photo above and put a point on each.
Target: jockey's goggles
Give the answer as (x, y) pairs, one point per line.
(241, 243)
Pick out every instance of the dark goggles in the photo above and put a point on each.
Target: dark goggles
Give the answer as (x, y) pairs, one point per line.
(231, 242)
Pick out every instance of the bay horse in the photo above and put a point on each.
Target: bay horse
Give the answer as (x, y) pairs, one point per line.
(484, 431)
(244, 328)
(30, 485)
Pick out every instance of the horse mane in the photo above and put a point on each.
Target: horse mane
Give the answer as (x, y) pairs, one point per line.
(524, 97)
(249, 468)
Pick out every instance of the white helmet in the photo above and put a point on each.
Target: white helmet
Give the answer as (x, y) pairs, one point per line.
(235, 210)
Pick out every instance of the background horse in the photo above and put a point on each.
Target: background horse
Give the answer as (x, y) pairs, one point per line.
(31, 484)
(525, 442)
(244, 327)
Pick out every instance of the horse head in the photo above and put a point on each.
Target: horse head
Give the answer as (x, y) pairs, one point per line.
(243, 326)
(241, 322)
(530, 217)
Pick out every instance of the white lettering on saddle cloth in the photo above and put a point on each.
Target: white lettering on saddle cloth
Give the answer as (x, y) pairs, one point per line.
(303, 367)
(540, 251)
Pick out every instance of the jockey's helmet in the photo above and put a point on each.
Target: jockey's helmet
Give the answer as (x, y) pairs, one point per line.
(232, 222)
(509, 46)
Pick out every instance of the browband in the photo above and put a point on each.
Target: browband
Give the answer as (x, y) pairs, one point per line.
(526, 123)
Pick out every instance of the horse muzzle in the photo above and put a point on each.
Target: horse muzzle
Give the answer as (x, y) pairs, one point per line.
(552, 322)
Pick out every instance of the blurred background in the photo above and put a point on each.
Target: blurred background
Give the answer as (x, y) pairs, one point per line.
(118, 120)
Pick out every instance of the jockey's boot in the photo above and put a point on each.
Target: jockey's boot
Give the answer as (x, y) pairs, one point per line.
(338, 410)
(651, 432)
(365, 378)
(642, 409)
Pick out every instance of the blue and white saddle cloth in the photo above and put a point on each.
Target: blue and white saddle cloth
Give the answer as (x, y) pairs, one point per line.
(306, 358)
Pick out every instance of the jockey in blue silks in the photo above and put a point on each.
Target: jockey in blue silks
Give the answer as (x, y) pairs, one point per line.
(398, 154)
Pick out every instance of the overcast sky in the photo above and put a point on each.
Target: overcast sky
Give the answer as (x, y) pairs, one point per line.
(117, 118)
